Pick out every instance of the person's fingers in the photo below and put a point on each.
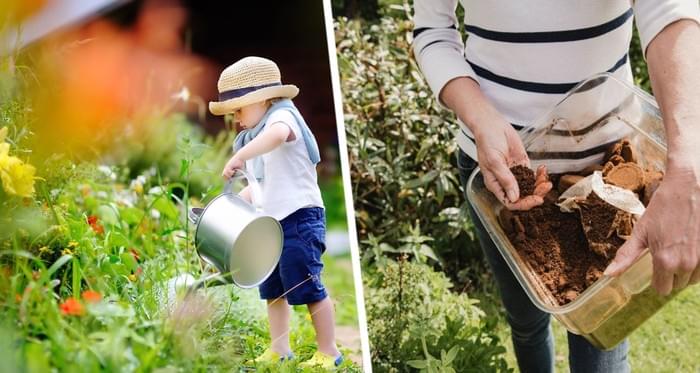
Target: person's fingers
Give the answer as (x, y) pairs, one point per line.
(681, 280)
(493, 186)
(686, 264)
(525, 203)
(543, 188)
(662, 280)
(518, 153)
(695, 277)
(541, 175)
(505, 178)
(628, 253)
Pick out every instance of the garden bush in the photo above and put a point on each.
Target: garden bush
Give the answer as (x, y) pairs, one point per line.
(413, 316)
(407, 194)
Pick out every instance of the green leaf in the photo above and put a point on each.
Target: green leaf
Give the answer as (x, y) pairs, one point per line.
(129, 261)
(451, 355)
(184, 166)
(36, 358)
(418, 364)
(57, 264)
(425, 179)
(428, 251)
(77, 278)
(167, 208)
(107, 214)
(131, 215)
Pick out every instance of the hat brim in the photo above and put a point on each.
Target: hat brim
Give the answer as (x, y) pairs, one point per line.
(230, 105)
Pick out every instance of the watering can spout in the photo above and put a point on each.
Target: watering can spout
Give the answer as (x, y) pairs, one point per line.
(194, 214)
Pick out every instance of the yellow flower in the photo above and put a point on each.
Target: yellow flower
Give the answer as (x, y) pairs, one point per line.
(44, 250)
(72, 244)
(17, 177)
(66, 251)
(138, 188)
(131, 277)
(4, 149)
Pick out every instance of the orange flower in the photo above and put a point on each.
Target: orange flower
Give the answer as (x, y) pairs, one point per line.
(92, 296)
(95, 225)
(72, 307)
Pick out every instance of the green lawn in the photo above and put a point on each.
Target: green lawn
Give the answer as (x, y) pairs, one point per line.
(668, 342)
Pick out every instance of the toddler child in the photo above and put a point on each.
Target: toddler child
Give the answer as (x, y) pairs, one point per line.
(279, 148)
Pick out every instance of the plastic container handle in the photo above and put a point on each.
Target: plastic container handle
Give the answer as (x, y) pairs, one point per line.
(256, 193)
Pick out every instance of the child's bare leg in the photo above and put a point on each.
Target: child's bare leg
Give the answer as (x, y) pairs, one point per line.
(278, 312)
(323, 317)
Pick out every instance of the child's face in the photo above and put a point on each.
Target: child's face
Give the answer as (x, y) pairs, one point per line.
(248, 116)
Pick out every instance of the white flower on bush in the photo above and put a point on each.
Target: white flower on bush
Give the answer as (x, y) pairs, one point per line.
(107, 171)
(126, 198)
(156, 190)
(137, 184)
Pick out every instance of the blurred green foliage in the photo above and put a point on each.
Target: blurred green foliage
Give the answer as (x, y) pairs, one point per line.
(408, 199)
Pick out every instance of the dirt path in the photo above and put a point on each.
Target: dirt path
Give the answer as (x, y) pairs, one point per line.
(349, 337)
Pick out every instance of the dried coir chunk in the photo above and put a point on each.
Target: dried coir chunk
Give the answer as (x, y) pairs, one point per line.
(525, 178)
(626, 175)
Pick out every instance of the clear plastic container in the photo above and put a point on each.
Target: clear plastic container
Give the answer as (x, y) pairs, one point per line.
(602, 109)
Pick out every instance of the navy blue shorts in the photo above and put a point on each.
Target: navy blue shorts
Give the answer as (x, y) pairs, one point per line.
(304, 242)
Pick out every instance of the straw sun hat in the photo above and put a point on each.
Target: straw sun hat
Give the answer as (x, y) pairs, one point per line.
(250, 80)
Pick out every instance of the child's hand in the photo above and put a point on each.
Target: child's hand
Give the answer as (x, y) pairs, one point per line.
(232, 165)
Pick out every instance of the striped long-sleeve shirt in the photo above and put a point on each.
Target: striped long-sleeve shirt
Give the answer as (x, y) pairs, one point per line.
(526, 55)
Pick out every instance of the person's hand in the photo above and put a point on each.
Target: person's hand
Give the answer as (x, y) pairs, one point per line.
(232, 165)
(670, 228)
(498, 148)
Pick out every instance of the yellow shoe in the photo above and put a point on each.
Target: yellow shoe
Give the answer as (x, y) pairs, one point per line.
(271, 357)
(322, 360)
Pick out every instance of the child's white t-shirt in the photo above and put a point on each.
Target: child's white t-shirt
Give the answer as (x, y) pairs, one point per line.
(290, 181)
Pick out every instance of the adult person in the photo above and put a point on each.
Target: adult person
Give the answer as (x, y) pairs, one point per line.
(517, 62)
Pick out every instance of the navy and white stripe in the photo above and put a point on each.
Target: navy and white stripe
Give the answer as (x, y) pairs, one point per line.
(527, 55)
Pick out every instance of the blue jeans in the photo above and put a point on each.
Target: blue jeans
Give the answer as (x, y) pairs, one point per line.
(530, 327)
(297, 276)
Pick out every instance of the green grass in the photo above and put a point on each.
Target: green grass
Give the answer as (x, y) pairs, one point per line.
(668, 342)
(338, 278)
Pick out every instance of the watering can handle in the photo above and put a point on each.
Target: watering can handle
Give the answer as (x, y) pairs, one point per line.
(255, 191)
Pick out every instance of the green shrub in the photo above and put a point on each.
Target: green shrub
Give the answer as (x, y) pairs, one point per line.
(406, 190)
(412, 313)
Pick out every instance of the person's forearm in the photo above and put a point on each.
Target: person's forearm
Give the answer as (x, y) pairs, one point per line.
(674, 59)
(267, 141)
(464, 97)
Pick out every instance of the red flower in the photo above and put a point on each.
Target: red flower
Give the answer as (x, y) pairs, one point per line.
(92, 220)
(91, 296)
(72, 307)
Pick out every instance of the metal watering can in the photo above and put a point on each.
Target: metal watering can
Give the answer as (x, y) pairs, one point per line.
(236, 238)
